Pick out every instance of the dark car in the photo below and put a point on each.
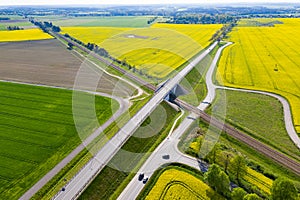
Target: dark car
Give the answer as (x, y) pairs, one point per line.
(141, 176)
(145, 180)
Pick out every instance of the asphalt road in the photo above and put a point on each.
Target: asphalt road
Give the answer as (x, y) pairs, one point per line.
(289, 126)
(169, 145)
(156, 160)
(75, 187)
(123, 107)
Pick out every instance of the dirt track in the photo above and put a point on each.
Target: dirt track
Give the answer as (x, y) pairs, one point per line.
(47, 62)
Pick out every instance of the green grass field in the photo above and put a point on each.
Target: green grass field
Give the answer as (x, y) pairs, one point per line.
(260, 116)
(3, 25)
(133, 22)
(36, 132)
(110, 182)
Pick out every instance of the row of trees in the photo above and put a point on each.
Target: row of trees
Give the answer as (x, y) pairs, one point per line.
(228, 164)
(220, 182)
(102, 52)
(13, 28)
(222, 33)
(150, 21)
(45, 26)
(202, 19)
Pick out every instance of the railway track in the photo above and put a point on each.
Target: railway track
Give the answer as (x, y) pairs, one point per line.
(108, 63)
(248, 140)
(278, 157)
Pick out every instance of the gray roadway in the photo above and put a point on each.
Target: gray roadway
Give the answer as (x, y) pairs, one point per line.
(86, 175)
(170, 145)
(123, 107)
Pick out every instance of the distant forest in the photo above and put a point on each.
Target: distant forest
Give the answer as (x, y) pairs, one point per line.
(202, 19)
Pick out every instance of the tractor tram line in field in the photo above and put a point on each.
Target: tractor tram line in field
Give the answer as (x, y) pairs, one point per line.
(262, 148)
(110, 64)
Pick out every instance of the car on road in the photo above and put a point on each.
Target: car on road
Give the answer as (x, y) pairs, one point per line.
(145, 180)
(141, 176)
(192, 118)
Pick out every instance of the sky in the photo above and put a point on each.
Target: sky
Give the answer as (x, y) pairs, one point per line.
(101, 2)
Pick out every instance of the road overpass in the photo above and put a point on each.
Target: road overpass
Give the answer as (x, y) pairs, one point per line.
(77, 185)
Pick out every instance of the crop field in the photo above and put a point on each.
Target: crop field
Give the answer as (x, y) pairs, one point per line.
(265, 58)
(55, 66)
(177, 184)
(21, 24)
(157, 50)
(37, 131)
(260, 116)
(116, 21)
(258, 180)
(22, 35)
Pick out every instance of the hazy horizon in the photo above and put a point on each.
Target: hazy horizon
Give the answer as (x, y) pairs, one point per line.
(136, 2)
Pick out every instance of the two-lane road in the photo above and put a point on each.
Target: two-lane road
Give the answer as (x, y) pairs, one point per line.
(76, 186)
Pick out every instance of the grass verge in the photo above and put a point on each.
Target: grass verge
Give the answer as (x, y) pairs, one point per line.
(103, 187)
(260, 116)
(58, 181)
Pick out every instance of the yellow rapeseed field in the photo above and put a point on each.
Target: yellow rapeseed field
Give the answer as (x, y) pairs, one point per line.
(259, 180)
(176, 184)
(22, 35)
(265, 58)
(157, 50)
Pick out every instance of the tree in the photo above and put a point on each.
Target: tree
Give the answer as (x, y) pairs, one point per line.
(212, 175)
(251, 197)
(70, 46)
(223, 183)
(283, 189)
(218, 179)
(238, 193)
(225, 159)
(56, 28)
(212, 155)
(238, 167)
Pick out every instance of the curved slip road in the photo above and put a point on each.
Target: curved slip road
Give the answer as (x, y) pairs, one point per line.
(289, 126)
(77, 185)
(169, 146)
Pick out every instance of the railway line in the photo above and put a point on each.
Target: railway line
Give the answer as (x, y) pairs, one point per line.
(242, 137)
